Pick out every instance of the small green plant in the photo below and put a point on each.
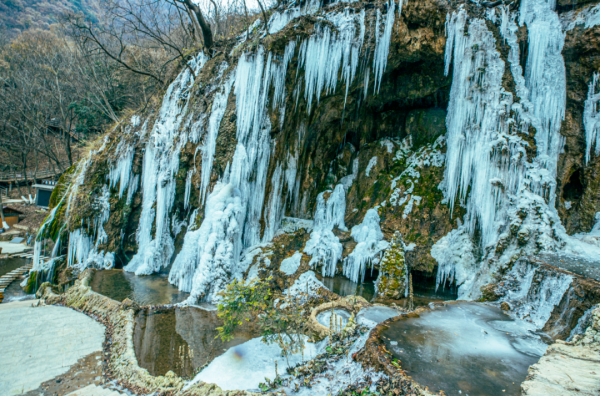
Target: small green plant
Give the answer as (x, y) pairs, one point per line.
(281, 322)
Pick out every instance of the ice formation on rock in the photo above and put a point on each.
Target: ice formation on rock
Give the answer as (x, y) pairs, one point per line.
(429, 155)
(370, 165)
(536, 292)
(307, 283)
(583, 323)
(324, 247)
(161, 163)
(290, 265)
(508, 197)
(207, 259)
(591, 119)
(370, 244)
(209, 146)
(588, 17)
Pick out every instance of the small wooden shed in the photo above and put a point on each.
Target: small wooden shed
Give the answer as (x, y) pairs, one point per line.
(11, 215)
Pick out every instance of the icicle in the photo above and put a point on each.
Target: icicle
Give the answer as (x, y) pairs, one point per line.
(382, 43)
(545, 77)
(161, 163)
(188, 188)
(122, 170)
(208, 148)
(274, 209)
(591, 119)
(325, 52)
(370, 243)
(324, 247)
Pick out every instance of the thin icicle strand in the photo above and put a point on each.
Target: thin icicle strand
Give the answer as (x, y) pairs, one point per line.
(591, 119)
(382, 43)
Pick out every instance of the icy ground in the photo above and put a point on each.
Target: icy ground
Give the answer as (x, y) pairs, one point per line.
(246, 366)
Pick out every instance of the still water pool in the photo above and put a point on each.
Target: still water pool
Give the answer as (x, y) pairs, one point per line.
(144, 290)
(180, 339)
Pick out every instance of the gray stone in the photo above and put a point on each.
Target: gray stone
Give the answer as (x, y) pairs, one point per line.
(40, 343)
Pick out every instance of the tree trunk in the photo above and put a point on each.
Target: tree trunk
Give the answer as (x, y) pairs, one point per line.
(17, 183)
(68, 148)
(206, 32)
(24, 159)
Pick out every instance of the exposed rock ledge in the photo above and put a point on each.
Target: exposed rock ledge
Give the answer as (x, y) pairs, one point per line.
(568, 368)
(119, 317)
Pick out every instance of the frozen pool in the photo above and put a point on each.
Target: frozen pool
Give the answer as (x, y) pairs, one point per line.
(376, 314)
(465, 349)
(324, 317)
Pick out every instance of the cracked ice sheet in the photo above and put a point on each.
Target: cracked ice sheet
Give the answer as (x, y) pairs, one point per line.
(245, 366)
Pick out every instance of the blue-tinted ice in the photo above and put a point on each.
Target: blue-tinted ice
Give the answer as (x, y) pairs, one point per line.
(465, 348)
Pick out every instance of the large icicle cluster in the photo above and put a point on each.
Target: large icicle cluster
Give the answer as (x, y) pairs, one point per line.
(237, 212)
(486, 158)
(370, 244)
(160, 164)
(324, 247)
(509, 198)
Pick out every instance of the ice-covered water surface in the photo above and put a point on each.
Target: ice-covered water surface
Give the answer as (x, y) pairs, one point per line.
(376, 314)
(245, 366)
(324, 318)
(469, 348)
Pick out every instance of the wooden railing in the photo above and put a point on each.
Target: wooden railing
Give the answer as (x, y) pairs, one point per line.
(12, 176)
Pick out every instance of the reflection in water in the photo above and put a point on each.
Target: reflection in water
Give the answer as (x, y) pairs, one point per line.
(466, 348)
(180, 339)
(144, 290)
(345, 287)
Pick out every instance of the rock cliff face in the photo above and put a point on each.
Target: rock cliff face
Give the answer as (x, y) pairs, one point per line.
(425, 137)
